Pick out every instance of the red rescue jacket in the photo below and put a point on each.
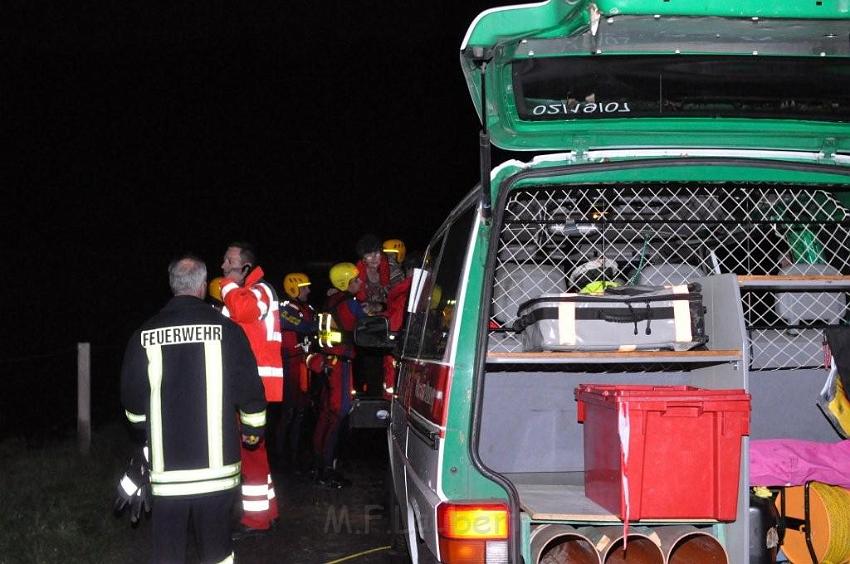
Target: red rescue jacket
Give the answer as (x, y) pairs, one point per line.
(397, 303)
(255, 308)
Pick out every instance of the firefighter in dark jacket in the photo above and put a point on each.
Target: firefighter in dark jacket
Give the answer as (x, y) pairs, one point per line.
(189, 380)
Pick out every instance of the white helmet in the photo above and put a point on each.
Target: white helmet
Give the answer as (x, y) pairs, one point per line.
(600, 268)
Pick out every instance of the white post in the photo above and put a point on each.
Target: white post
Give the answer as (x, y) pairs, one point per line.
(84, 397)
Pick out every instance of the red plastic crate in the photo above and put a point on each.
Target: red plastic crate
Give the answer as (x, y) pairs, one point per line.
(675, 450)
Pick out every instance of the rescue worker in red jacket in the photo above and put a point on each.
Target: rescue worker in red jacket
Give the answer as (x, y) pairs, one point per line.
(336, 339)
(376, 272)
(298, 331)
(252, 303)
(396, 253)
(398, 295)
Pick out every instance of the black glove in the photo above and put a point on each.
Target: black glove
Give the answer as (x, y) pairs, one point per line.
(134, 489)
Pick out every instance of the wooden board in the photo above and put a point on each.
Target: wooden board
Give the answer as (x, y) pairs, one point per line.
(793, 278)
(551, 502)
(617, 356)
(547, 502)
(825, 281)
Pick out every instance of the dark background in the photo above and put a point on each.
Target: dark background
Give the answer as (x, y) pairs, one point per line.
(135, 132)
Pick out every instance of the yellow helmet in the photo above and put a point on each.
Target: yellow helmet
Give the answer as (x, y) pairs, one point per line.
(293, 282)
(395, 247)
(214, 289)
(341, 275)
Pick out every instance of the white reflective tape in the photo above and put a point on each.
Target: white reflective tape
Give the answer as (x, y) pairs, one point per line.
(567, 322)
(215, 403)
(253, 419)
(271, 495)
(227, 288)
(272, 315)
(227, 560)
(196, 475)
(270, 371)
(324, 330)
(154, 355)
(273, 304)
(134, 417)
(255, 506)
(195, 488)
(128, 485)
(255, 491)
(682, 316)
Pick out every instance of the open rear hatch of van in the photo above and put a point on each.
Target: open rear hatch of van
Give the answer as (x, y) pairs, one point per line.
(580, 75)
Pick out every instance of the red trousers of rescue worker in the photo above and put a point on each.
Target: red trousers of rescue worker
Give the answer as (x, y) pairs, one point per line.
(389, 376)
(334, 406)
(259, 504)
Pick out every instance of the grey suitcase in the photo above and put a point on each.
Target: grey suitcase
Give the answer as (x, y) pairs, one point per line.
(622, 319)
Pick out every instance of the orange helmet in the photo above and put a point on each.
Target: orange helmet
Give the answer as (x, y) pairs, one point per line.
(395, 247)
(293, 282)
(342, 274)
(214, 289)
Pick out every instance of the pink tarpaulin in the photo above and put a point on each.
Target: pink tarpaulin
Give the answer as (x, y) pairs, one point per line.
(792, 462)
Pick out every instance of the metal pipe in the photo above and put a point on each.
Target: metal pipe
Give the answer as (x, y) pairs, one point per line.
(685, 544)
(561, 544)
(643, 546)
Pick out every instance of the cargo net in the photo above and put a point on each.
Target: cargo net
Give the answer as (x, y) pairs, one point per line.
(561, 239)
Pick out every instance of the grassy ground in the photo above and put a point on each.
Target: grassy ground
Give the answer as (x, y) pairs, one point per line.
(56, 505)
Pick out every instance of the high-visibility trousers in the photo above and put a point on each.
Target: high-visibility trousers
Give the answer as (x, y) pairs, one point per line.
(259, 504)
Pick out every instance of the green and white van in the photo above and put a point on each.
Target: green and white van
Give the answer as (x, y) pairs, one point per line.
(684, 141)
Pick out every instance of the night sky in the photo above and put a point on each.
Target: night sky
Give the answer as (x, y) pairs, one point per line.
(136, 132)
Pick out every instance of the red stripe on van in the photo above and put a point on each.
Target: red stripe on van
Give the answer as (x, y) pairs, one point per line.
(427, 389)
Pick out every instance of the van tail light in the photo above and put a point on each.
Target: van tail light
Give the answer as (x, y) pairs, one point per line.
(473, 533)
